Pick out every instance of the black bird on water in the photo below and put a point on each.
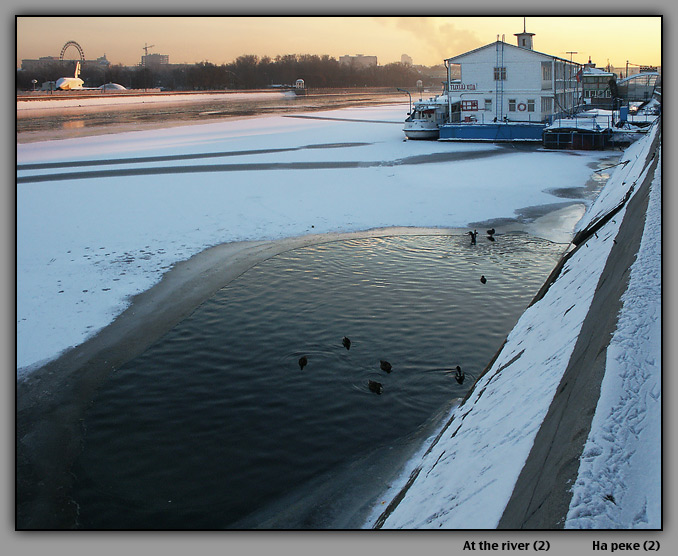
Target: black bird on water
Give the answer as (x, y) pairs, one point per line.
(375, 386)
(483, 280)
(346, 342)
(303, 361)
(490, 232)
(459, 375)
(385, 366)
(473, 236)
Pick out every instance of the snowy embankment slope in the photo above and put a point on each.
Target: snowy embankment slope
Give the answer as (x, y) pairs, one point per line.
(468, 474)
(88, 243)
(624, 447)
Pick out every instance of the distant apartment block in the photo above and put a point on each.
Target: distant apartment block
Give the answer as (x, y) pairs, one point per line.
(154, 60)
(48, 61)
(358, 61)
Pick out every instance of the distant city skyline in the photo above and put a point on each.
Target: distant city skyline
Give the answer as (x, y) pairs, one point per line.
(427, 40)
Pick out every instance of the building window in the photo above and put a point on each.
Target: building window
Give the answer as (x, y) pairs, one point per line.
(546, 71)
(530, 105)
(512, 105)
(469, 105)
(488, 104)
(546, 105)
(500, 74)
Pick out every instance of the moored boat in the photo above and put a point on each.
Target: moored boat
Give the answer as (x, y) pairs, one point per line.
(428, 115)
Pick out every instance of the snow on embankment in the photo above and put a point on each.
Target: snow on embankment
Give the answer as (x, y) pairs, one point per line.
(466, 477)
(626, 429)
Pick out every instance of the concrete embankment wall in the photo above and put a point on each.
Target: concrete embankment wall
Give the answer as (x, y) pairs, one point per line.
(506, 458)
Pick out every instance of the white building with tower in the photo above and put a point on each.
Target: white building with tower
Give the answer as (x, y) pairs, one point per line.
(514, 83)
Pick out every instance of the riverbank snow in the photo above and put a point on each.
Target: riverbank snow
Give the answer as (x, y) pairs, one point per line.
(128, 99)
(622, 456)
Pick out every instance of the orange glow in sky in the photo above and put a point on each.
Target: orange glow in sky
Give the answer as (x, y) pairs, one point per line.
(427, 40)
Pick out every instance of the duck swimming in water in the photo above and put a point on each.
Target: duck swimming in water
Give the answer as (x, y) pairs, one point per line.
(473, 237)
(303, 361)
(385, 366)
(459, 375)
(483, 280)
(375, 386)
(490, 232)
(346, 342)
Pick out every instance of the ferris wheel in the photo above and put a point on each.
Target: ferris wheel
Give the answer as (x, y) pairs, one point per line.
(77, 47)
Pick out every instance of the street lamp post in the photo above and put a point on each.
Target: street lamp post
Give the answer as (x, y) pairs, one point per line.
(409, 95)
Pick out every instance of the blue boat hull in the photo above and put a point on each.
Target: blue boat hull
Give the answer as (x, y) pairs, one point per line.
(493, 132)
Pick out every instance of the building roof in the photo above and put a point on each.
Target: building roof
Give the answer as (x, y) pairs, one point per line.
(493, 44)
(596, 71)
(639, 76)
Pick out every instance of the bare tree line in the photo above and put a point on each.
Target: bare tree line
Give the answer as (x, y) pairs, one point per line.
(246, 72)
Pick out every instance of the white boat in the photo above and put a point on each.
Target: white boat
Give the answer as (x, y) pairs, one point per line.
(428, 115)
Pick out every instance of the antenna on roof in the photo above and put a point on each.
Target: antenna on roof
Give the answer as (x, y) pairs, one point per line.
(524, 29)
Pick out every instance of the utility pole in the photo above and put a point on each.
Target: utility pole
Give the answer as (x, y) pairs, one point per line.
(576, 97)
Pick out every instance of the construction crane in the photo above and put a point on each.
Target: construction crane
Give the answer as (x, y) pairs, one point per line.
(146, 47)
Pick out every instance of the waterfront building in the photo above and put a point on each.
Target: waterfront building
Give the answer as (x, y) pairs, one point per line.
(596, 87)
(515, 83)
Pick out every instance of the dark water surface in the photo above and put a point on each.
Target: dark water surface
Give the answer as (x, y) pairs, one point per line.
(217, 420)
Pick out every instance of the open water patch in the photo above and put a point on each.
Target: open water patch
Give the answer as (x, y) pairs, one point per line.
(217, 420)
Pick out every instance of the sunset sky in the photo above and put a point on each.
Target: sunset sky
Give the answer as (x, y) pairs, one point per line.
(427, 40)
